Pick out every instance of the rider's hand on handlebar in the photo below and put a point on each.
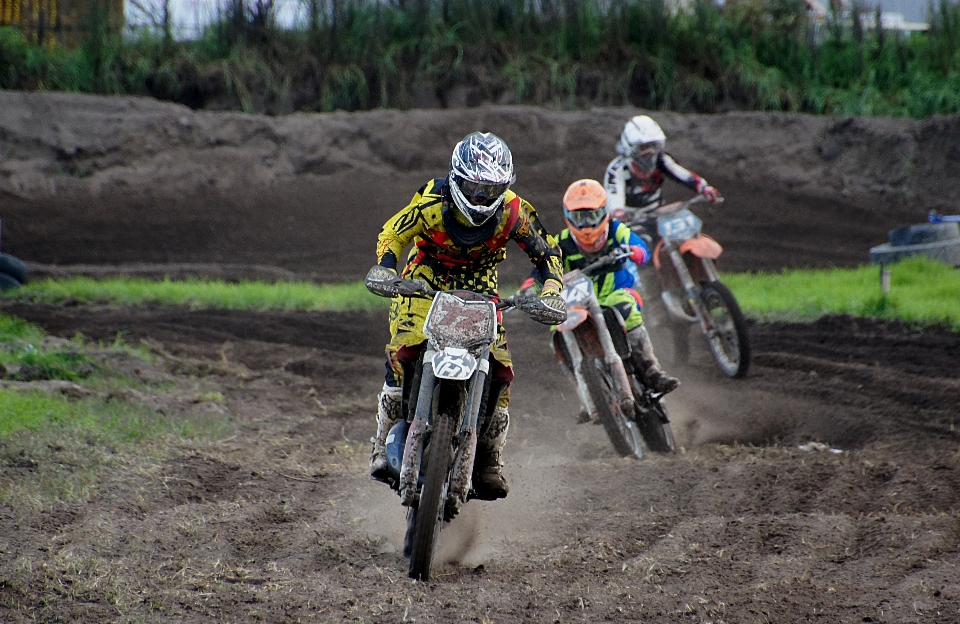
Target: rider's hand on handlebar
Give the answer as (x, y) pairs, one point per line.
(385, 282)
(711, 193)
(638, 254)
(548, 308)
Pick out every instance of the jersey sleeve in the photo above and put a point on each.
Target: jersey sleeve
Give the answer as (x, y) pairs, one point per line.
(540, 246)
(615, 183)
(399, 230)
(684, 176)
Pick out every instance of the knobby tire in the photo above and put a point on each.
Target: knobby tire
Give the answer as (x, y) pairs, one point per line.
(623, 438)
(739, 327)
(427, 521)
(654, 425)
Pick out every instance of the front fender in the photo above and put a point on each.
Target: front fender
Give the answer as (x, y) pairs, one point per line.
(575, 316)
(702, 247)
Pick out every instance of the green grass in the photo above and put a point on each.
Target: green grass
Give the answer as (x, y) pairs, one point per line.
(111, 420)
(921, 291)
(52, 446)
(197, 293)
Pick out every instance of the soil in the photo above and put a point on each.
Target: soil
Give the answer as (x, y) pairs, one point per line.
(823, 487)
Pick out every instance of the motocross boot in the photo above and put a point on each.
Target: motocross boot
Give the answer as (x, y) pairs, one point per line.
(647, 362)
(388, 414)
(488, 480)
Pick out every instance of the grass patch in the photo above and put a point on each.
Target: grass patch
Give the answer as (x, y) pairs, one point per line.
(111, 421)
(921, 291)
(200, 293)
(53, 448)
(51, 445)
(24, 357)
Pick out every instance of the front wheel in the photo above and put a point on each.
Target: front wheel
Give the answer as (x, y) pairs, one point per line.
(425, 522)
(621, 430)
(728, 341)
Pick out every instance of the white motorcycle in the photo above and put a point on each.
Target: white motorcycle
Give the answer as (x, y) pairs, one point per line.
(445, 402)
(592, 343)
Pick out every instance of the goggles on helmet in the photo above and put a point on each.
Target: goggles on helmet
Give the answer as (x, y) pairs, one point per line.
(646, 151)
(586, 218)
(480, 193)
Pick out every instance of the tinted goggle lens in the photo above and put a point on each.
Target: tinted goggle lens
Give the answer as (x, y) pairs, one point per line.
(481, 190)
(586, 218)
(648, 150)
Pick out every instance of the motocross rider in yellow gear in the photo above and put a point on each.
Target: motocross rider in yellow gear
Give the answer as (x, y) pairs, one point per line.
(459, 226)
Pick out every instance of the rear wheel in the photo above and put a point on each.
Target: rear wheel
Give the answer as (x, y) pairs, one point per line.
(621, 430)
(426, 519)
(729, 343)
(653, 423)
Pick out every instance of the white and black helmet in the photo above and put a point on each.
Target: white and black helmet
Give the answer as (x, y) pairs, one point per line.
(481, 171)
(642, 140)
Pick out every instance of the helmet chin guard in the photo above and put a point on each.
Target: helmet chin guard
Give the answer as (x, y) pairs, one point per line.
(481, 171)
(585, 211)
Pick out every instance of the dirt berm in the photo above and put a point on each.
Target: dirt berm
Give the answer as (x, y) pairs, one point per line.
(99, 180)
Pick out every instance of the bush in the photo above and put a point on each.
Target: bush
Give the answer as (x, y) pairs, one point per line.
(360, 54)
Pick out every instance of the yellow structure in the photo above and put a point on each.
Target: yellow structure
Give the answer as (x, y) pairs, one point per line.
(58, 21)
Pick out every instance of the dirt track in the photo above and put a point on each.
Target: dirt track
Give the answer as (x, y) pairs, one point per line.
(278, 522)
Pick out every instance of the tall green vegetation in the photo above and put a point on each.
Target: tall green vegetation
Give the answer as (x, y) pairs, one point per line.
(360, 54)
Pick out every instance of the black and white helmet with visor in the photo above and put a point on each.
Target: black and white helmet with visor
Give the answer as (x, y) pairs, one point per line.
(641, 141)
(481, 171)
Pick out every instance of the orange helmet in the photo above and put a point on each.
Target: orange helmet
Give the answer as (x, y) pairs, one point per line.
(585, 211)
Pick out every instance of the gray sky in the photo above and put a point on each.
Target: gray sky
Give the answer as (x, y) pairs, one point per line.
(189, 16)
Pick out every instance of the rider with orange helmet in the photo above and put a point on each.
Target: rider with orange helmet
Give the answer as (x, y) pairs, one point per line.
(590, 233)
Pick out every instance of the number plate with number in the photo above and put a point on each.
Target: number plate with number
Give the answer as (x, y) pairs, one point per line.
(453, 363)
(681, 226)
(578, 291)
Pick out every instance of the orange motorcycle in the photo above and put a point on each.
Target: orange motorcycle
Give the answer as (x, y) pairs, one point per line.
(691, 290)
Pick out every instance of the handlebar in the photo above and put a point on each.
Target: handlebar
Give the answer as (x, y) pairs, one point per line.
(618, 253)
(418, 289)
(674, 207)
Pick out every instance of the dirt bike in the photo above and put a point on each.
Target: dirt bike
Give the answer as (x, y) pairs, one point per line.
(691, 289)
(447, 401)
(593, 344)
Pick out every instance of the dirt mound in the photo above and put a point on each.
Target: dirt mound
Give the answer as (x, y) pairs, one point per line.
(101, 180)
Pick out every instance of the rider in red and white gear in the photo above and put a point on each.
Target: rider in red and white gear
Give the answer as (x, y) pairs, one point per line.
(633, 178)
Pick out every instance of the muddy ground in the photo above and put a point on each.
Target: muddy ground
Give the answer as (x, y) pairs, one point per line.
(279, 523)
(276, 521)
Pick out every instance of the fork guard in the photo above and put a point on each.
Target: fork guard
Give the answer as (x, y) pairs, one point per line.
(410, 468)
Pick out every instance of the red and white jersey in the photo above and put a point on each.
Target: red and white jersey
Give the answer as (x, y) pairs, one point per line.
(628, 186)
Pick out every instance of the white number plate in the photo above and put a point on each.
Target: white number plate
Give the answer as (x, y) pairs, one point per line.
(682, 226)
(578, 291)
(453, 363)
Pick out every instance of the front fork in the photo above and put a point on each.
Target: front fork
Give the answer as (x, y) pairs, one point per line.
(610, 356)
(426, 408)
(692, 289)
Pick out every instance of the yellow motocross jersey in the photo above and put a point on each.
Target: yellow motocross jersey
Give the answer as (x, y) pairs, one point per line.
(450, 256)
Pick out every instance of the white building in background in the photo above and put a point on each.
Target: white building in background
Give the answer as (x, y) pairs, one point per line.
(902, 15)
